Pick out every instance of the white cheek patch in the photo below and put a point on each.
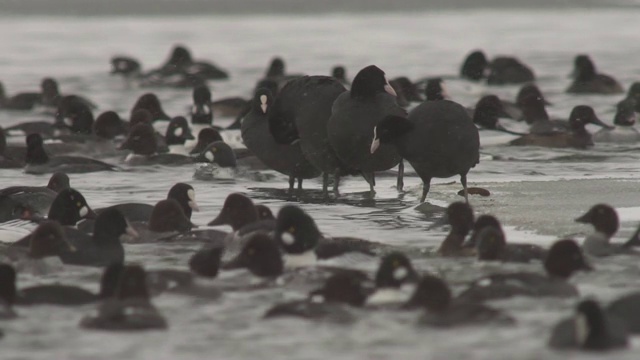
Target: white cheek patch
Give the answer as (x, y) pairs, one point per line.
(581, 329)
(287, 238)
(68, 121)
(83, 211)
(400, 273)
(206, 109)
(484, 282)
(209, 155)
(178, 131)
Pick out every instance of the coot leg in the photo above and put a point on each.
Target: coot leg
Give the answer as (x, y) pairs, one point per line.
(463, 181)
(400, 183)
(325, 185)
(292, 181)
(371, 179)
(336, 183)
(299, 184)
(426, 184)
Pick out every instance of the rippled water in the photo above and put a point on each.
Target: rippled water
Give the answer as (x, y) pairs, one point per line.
(536, 192)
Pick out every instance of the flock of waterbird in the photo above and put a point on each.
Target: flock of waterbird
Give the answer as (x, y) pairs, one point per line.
(303, 127)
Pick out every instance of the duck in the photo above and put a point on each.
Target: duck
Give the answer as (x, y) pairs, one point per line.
(588, 81)
(51, 96)
(474, 66)
(142, 143)
(332, 302)
(177, 134)
(439, 139)
(301, 114)
(129, 309)
(42, 256)
(181, 61)
(339, 72)
(151, 103)
(67, 209)
(277, 72)
(563, 259)
(487, 112)
(406, 91)
(590, 329)
(490, 242)
(624, 132)
(434, 90)
(183, 193)
(61, 294)
(395, 281)
(125, 66)
(109, 125)
(206, 136)
(442, 310)
(104, 246)
(604, 219)
(75, 116)
(576, 136)
(239, 212)
(166, 223)
(304, 245)
(354, 115)
(39, 162)
(260, 255)
(505, 70)
(37, 199)
(204, 110)
(460, 217)
(21, 101)
(287, 159)
(217, 161)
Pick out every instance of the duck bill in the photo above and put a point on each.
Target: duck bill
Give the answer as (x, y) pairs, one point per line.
(501, 128)
(584, 219)
(599, 122)
(124, 146)
(189, 136)
(586, 266)
(132, 232)
(221, 219)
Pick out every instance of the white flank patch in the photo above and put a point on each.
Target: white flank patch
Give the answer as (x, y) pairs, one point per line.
(317, 299)
(484, 282)
(300, 260)
(388, 296)
(582, 329)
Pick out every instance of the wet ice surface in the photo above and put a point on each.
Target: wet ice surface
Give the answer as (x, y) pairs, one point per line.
(536, 192)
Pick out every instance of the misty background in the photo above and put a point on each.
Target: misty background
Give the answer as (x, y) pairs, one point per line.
(211, 7)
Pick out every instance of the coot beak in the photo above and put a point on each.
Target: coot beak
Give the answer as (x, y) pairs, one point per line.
(132, 232)
(388, 88)
(264, 108)
(375, 145)
(194, 206)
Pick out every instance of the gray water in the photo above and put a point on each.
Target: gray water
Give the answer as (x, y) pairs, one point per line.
(536, 192)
